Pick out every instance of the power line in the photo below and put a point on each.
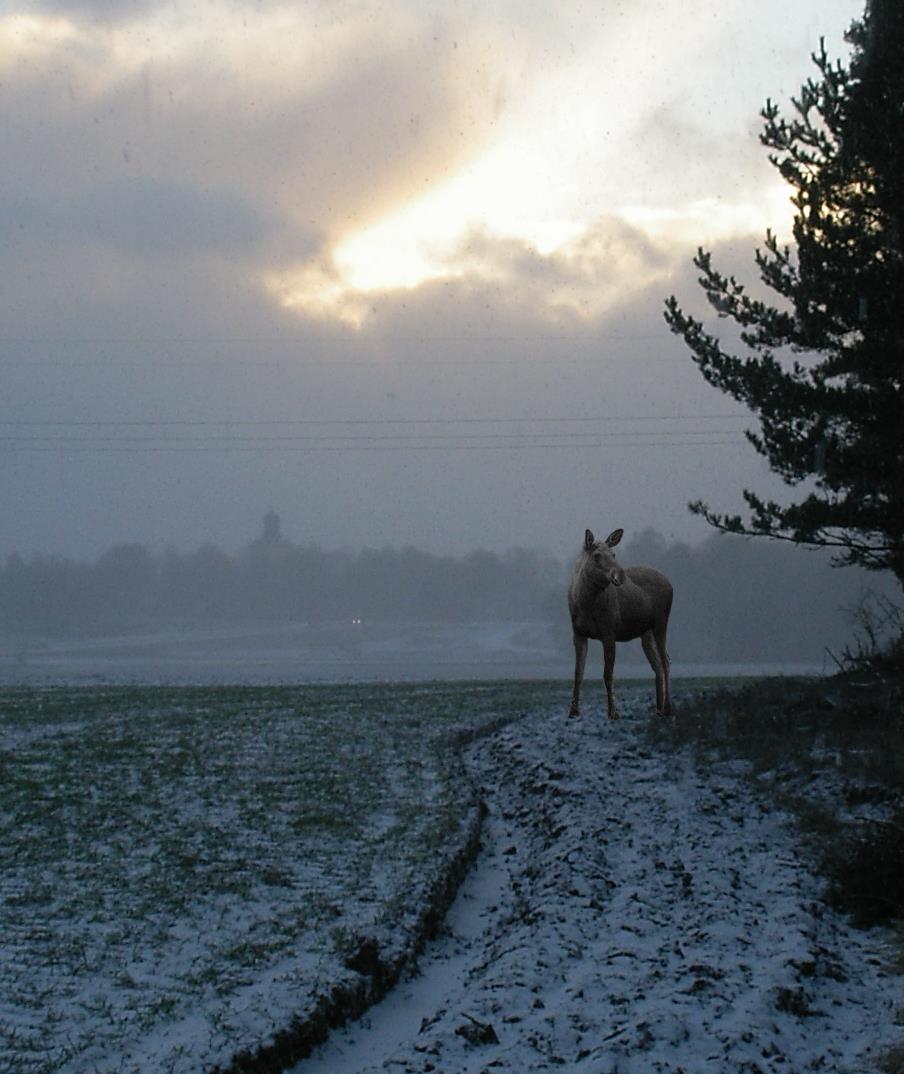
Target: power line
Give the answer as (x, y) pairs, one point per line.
(279, 422)
(208, 435)
(255, 446)
(347, 442)
(350, 437)
(296, 435)
(163, 449)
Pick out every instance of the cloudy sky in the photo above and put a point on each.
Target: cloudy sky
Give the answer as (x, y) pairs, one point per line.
(394, 269)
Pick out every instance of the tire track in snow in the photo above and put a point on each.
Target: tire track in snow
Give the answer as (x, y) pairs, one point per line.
(628, 913)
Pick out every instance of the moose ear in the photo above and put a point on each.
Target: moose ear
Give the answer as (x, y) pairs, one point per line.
(614, 537)
(589, 540)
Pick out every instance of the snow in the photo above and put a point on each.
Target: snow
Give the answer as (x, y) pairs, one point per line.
(634, 909)
(182, 867)
(630, 912)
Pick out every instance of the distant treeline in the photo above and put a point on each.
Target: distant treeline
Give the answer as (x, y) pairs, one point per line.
(743, 599)
(735, 600)
(270, 580)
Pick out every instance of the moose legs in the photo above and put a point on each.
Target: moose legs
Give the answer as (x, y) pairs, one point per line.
(580, 658)
(608, 669)
(653, 642)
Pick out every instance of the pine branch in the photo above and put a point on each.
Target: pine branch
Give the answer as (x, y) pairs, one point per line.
(834, 416)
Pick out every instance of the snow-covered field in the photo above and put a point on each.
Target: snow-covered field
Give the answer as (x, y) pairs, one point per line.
(631, 913)
(186, 869)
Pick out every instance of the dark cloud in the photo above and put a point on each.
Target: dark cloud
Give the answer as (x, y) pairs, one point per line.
(326, 148)
(141, 217)
(146, 216)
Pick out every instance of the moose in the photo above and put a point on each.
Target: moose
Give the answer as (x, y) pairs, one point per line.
(611, 603)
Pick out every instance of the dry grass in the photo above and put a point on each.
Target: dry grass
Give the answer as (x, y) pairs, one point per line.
(832, 752)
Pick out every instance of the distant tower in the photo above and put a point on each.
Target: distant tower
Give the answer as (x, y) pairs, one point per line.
(272, 528)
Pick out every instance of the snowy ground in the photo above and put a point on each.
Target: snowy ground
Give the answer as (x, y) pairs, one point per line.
(184, 870)
(630, 913)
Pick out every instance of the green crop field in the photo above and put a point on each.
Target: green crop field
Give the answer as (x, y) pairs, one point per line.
(184, 868)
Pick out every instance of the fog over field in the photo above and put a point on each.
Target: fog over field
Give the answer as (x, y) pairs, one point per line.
(279, 611)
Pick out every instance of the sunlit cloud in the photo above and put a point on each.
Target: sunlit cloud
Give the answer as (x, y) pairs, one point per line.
(580, 278)
(28, 38)
(396, 134)
(275, 48)
(712, 220)
(614, 130)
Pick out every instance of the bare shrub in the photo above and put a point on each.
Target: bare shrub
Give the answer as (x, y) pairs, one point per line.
(878, 645)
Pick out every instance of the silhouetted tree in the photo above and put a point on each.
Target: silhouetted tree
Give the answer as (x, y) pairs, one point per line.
(832, 416)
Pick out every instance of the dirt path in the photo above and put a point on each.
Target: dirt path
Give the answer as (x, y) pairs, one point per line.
(629, 913)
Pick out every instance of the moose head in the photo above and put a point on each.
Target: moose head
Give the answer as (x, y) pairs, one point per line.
(601, 558)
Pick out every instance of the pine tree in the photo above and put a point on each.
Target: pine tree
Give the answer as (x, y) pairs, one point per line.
(823, 368)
